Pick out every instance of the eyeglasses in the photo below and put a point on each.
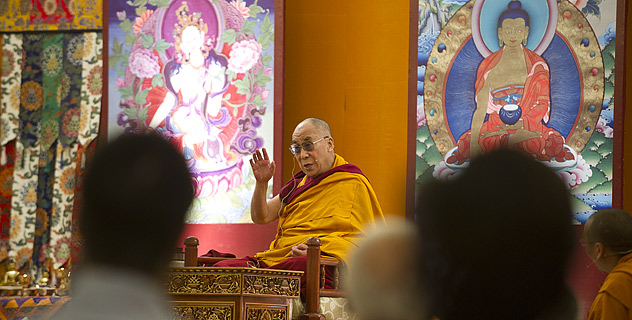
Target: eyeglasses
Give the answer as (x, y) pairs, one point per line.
(307, 145)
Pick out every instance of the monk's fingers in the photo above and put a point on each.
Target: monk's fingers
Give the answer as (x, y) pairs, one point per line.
(252, 163)
(265, 154)
(257, 155)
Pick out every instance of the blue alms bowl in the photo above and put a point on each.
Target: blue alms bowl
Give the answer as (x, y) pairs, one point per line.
(510, 113)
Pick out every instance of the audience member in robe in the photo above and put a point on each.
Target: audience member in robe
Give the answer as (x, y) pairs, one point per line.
(329, 198)
(608, 237)
(381, 279)
(496, 241)
(137, 191)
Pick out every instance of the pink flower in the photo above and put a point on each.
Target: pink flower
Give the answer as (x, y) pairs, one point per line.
(120, 83)
(120, 15)
(268, 72)
(244, 54)
(421, 116)
(264, 95)
(143, 64)
(140, 21)
(602, 126)
(580, 4)
(242, 7)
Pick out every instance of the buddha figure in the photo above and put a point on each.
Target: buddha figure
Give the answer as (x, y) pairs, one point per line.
(513, 78)
(11, 276)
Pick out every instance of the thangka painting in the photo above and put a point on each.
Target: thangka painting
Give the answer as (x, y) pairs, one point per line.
(199, 72)
(530, 75)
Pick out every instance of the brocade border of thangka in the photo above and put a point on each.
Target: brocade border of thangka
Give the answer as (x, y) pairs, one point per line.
(186, 311)
(257, 312)
(234, 281)
(50, 15)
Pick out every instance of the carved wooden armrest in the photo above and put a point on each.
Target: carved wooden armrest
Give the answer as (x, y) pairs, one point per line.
(191, 258)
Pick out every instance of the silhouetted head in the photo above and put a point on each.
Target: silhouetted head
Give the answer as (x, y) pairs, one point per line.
(496, 240)
(137, 190)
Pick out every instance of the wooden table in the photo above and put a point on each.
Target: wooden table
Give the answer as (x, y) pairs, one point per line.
(233, 293)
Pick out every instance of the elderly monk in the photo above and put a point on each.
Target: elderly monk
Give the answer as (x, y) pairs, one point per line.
(329, 199)
(608, 237)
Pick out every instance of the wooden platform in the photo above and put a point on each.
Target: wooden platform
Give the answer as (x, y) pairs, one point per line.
(233, 293)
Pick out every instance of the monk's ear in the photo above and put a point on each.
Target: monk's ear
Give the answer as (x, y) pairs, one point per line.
(330, 144)
(601, 250)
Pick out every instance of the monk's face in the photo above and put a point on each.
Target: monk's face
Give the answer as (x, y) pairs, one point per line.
(321, 158)
(591, 247)
(513, 31)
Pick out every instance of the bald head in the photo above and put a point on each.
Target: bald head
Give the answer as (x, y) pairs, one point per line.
(612, 228)
(319, 124)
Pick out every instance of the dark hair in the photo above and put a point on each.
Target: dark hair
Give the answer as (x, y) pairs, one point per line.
(496, 240)
(137, 190)
(611, 227)
(514, 11)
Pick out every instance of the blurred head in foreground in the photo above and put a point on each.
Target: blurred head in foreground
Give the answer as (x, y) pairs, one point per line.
(382, 274)
(137, 190)
(496, 241)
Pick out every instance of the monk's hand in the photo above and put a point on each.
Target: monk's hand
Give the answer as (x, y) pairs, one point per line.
(299, 250)
(262, 168)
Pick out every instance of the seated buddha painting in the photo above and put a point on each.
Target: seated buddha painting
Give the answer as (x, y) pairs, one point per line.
(533, 76)
(200, 73)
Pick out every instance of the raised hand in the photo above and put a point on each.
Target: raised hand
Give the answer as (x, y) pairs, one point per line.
(262, 167)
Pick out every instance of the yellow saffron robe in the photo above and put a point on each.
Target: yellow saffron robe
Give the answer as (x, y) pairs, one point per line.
(614, 300)
(338, 210)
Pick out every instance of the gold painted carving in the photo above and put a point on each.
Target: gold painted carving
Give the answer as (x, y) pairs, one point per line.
(204, 283)
(270, 285)
(263, 313)
(203, 312)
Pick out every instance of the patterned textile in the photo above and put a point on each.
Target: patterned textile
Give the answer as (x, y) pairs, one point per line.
(10, 88)
(30, 307)
(51, 102)
(64, 188)
(331, 308)
(32, 15)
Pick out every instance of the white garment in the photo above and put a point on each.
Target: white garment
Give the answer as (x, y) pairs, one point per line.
(104, 293)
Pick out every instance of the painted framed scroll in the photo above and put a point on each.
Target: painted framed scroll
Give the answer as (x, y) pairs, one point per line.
(534, 75)
(202, 74)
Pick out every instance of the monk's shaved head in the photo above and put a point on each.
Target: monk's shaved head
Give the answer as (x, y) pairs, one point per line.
(611, 227)
(320, 124)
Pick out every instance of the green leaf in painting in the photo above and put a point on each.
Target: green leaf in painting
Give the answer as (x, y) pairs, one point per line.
(130, 38)
(126, 92)
(126, 25)
(262, 78)
(141, 97)
(132, 112)
(248, 27)
(254, 10)
(117, 47)
(157, 81)
(266, 59)
(243, 86)
(142, 114)
(147, 40)
(140, 10)
(229, 36)
(162, 46)
(267, 25)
